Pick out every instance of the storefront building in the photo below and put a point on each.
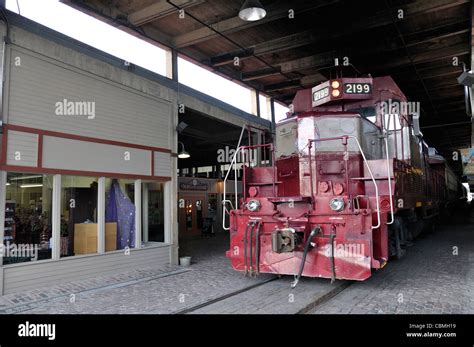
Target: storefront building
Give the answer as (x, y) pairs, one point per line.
(88, 170)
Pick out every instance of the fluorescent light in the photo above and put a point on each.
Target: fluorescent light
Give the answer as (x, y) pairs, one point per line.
(31, 185)
(25, 177)
(7, 184)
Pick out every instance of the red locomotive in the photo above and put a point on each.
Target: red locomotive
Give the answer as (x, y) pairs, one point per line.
(350, 183)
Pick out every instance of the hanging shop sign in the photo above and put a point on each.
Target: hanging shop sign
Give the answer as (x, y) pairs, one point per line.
(193, 184)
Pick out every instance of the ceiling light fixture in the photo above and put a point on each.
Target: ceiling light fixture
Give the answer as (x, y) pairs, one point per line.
(183, 154)
(31, 185)
(252, 10)
(18, 178)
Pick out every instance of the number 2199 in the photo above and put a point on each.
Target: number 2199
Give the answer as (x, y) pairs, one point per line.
(357, 88)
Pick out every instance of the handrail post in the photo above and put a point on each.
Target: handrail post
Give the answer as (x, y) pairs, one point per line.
(389, 178)
(373, 180)
(344, 141)
(310, 145)
(224, 200)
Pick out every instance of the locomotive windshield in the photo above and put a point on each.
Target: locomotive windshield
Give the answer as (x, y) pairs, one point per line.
(368, 113)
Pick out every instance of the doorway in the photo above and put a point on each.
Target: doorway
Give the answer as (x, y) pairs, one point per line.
(192, 212)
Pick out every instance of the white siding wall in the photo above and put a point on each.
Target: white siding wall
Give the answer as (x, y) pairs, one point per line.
(162, 164)
(122, 114)
(60, 153)
(22, 146)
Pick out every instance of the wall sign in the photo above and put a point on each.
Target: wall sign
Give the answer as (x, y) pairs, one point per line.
(193, 184)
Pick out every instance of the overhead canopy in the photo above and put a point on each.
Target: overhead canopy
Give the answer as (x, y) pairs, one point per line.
(421, 44)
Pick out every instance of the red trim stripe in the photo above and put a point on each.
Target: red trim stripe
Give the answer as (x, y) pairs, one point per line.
(30, 169)
(39, 169)
(83, 138)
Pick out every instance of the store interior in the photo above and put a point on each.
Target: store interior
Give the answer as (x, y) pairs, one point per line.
(28, 215)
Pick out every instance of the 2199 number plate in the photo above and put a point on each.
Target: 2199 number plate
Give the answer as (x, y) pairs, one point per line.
(357, 88)
(321, 94)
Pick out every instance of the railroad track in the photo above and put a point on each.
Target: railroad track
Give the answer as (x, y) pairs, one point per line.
(225, 297)
(312, 307)
(309, 308)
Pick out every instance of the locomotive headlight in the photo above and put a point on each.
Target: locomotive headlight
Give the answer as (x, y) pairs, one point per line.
(336, 93)
(335, 84)
(337, 204)
(253, 205)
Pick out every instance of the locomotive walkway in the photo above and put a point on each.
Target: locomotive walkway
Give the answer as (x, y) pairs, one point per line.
(436, 276)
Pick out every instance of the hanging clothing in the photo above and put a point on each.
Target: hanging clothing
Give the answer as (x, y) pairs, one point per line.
(121, 210)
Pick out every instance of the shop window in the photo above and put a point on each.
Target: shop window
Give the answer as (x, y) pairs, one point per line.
(153, 225)
(120, 212)
(78, 215)
(28, 227)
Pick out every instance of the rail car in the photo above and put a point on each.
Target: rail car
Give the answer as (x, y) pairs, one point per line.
(349, 183)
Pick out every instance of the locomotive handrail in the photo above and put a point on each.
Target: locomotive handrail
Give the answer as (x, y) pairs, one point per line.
(224, 198)
(344, 138)
(243, 183)
(385, 136)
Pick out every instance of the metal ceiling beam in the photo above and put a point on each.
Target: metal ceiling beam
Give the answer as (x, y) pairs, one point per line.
(258, 74)
(115, 18)
(428, 56)
(282, 85)
(235, 24)
(315, 61)
(327, 59)
(304, 81)
(443, 71)
(307, 37)
(159, 10)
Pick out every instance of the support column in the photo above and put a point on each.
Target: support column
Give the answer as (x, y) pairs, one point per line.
(170, 236)
(101, 216)
(56, 219)
(257, 97)
(145, 211)
(172, 64)
(171, 192)
(272, 111)
(138, 213)
(272, 114)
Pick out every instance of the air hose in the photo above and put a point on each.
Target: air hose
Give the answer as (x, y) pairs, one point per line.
(305, 253)
(245, 248)
(251, 253)
(257, 249)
